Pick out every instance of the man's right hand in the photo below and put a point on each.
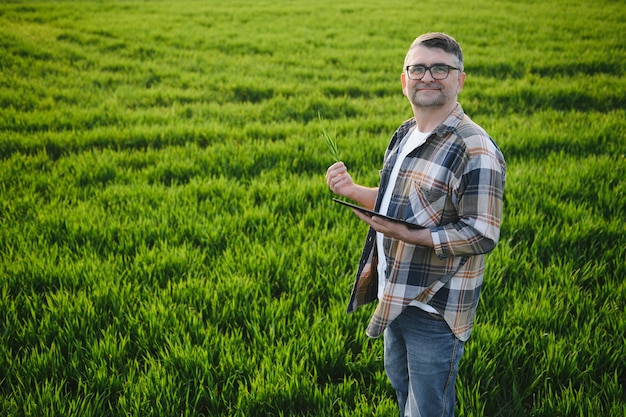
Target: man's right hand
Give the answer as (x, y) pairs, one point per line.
(339, 180)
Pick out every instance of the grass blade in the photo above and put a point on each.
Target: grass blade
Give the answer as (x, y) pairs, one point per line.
(330, 141)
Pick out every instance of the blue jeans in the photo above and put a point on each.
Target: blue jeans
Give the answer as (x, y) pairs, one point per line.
(422, 361)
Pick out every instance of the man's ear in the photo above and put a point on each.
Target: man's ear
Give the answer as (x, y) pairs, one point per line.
(461, 82)
(403, 81)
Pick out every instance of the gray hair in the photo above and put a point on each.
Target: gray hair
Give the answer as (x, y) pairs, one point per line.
(438, 40)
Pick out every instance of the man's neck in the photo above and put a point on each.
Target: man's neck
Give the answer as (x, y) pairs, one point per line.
(428, 118)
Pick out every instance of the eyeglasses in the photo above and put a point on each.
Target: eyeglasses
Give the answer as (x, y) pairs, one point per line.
(437, 71)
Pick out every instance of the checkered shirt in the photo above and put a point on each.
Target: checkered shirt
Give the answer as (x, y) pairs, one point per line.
(453, 185)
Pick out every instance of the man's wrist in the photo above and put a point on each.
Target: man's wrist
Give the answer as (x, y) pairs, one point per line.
(420, 237)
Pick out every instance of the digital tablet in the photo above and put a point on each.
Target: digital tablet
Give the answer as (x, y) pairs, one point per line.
(373, 213)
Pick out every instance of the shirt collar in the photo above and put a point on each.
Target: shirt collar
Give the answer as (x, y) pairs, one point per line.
(449, 124)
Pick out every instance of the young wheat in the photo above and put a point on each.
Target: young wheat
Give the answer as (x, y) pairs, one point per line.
(330, 141)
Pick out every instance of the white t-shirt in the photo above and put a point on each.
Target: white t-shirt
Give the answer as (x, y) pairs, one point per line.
(414, 141)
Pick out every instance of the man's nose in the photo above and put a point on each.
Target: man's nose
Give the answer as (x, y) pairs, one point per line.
(428, 76)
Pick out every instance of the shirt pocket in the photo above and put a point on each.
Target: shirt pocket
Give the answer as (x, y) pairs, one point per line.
(427, 205)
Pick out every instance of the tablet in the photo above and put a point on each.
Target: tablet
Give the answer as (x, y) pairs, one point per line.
(373, 213)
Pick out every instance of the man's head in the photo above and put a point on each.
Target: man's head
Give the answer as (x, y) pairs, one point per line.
(433, 75)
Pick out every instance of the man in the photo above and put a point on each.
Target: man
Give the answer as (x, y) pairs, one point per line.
(444, 173)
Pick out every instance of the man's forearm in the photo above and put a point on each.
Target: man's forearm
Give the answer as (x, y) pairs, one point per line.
(365, 196)
(418, 237)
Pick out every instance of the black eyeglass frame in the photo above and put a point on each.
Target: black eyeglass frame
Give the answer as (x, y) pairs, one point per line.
(426, 68)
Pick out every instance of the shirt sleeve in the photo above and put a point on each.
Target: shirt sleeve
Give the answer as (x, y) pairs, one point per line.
(478, 199)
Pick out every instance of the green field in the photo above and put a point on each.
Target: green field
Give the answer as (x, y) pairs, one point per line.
(168, 246)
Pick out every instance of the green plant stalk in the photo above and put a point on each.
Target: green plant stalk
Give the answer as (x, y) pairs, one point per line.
(330, 141)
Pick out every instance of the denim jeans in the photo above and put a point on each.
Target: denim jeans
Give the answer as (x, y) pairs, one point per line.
(422, 361)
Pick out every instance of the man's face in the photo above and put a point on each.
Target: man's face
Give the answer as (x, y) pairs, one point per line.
(428, 92)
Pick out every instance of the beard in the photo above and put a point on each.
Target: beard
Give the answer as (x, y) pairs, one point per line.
(435, 97)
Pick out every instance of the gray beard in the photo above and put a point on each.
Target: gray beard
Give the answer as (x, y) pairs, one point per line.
(433, 102)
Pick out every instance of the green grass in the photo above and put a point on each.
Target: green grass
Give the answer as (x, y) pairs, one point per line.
(168, 246)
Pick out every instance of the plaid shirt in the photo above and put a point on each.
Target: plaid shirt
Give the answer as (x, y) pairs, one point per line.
(453, 185)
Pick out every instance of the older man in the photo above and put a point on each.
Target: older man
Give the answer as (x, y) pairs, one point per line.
(444, 174)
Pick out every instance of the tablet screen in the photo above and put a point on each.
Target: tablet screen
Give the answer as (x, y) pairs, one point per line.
(373, 213)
